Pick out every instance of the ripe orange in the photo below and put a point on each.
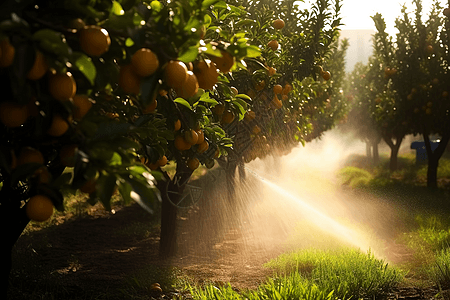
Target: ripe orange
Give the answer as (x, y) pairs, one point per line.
(29, 155)
(62, 86)
(13, 114)
(43, 175)
(181, 144)
(228, 117)
(175, 74)
(207, 74)
(201, 136)
(129, 81)
(162, 161)
(277, 89)
(8, 52)
(145, 62)
(39, 208)
(276, 103)
(218, 109)
(287, 89)
(273, 44)
(284, 97)
(67, 155)
(189, 88)
(260, 85)
(326, 75)
(39, 68)
(193, 163)
(249, 115)
(177, 125)
(151, 107)
(58, 127)
(191, 136)
(272, 71)
(256, 129)
(203, 147)
(224, 63)
(278, 24)
(82, 105)
(94, 40)
(429, 49)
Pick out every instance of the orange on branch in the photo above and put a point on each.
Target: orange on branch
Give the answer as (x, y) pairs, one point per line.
(82, 105)
(249, 115)
(175, 74)
(207, 74)
(181, 144)
(94, 40)
(228, 117)
(151, 107)
(145, 62)
(193, 163)
(272, 71)
(203, 147)
(189, 88)
(129, 81)
(39, 208)
(191, 136)
(260, 85)
(224, 63)
(162, 161)
(8, 53)
(89, 186)
(177, 125)
(201, 136)
(277, 89)
(218, 109)
(13, 114)
(278, 24)
(273, 44)
(326, 75)
(29, 155)
(62, 86)
(39, 67)
(58, 127)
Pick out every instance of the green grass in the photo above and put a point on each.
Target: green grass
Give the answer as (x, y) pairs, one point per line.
(354, 177)
(316, 274)
(439, 272)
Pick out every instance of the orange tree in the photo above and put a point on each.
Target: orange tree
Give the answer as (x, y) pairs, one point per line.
(416, 69)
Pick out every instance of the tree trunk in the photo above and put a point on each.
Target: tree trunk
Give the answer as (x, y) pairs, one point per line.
(393, 160)
(242, 175)
(368, 150)
(13, 221)
(434, 157)
(171, 193)
(375, 154)
(230, 174)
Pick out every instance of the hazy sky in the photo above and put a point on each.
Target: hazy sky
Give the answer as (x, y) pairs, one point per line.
(356, 13)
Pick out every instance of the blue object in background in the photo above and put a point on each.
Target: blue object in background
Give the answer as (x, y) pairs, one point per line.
(421, 151)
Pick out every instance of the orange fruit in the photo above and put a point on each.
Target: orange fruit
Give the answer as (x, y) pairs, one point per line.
(181, 144)
(287, 89)
(446, 12)
(429, 49)
(189, 88)
(284, 97)
(162, 161)
(13, 114)
(278, 24)
(260, 85)
(145, 62)
(444, 94)
(175, 74)
(39, 208)
(94, 40)
(326, 75)
(151, 107)
(89, 186)
(277, 89)
(8, 52)
(224, 63)
(272, 71)
(193, 163)
(43, 175)
(77, 24)
(29, 155)
(39, 68)
(177, 125)
(206, 74)
(58, 127)
(273, 44)
(82, 105)
(162, 92)
(228, 117)
(276, 103)
(67, 155)
(201, 136)
(62, 86)
(218, 109)
(129, 81)
(202, 147)
(191, 136)
(249, 115)
(256, 129)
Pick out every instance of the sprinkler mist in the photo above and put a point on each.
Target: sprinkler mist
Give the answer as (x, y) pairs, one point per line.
(318, 218)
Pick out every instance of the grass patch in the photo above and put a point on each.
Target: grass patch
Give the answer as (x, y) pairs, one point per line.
(354, 177)
(317, 274)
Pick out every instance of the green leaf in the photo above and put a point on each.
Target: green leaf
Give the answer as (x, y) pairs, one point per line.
(156, 6)
(208, 3)
(86, 66)
(189, 55)
(117, 9)
(183, 102)
(244, 97)
(106, 186)
(207, 99)
(253, 51)
(129, 42)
